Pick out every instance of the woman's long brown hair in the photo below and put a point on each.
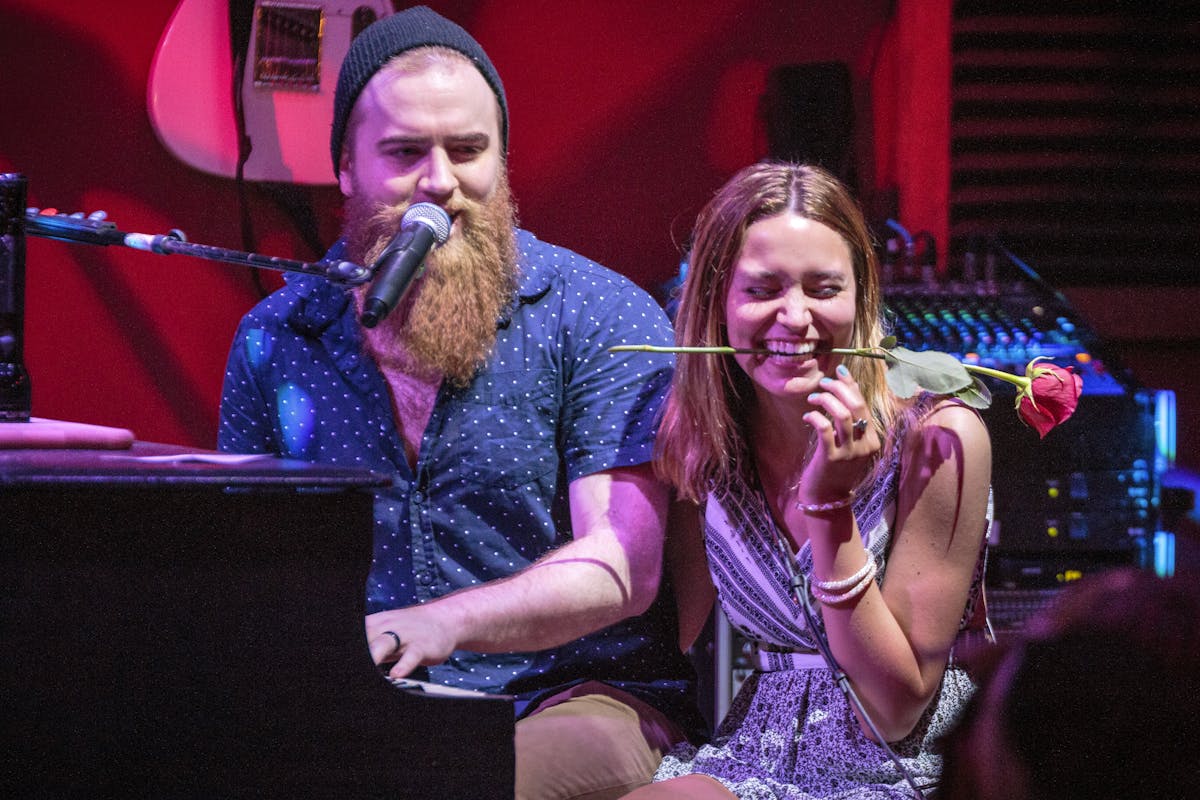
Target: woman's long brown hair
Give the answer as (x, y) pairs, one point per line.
(702, 442)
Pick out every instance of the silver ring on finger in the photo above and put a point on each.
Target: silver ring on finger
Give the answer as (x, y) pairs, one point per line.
(395, 637)
(859, 426)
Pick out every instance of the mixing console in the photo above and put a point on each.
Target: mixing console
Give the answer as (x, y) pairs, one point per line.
(1002, 327)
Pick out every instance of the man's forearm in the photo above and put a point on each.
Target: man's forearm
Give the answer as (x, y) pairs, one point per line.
(583, 586)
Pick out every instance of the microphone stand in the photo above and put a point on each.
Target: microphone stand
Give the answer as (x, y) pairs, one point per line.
(15, 390)
(95, 229)
(16, 221)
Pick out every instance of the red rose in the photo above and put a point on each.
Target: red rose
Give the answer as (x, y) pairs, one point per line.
(1050, 397)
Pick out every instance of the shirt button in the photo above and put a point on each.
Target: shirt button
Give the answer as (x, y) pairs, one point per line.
(424, 578)
(418, 497)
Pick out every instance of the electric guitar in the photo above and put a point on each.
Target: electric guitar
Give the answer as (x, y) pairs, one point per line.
(294, 53)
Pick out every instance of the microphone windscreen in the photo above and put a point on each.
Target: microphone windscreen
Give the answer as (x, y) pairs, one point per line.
(432, 216)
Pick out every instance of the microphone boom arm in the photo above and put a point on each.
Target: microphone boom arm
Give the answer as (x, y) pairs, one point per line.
(16, 221)
(96, 230)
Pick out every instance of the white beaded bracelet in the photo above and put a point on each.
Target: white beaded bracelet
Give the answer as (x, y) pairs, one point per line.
(851, 593)
(814, 508)
(846, 583)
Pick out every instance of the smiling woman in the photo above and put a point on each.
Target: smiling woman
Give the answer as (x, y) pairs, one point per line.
(792, 293)
(802, 473)
(735, 235)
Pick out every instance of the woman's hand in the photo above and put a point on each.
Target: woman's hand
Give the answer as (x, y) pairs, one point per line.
(846, 440)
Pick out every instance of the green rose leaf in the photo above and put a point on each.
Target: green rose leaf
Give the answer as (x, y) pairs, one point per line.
(932, 370)
(977, 395)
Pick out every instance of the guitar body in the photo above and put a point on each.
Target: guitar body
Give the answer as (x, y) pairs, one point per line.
(292, 62)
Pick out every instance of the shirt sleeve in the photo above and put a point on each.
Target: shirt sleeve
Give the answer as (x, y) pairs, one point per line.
(613, 401)
(245, 421)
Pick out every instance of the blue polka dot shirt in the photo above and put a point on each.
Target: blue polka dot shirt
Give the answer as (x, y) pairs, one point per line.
(489, 492)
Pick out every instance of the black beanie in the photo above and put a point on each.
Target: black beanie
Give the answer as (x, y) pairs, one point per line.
(414, 27)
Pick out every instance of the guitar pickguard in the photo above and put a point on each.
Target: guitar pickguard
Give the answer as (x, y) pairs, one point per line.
(293, 58)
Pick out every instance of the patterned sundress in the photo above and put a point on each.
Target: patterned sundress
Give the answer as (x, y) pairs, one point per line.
(790, 732)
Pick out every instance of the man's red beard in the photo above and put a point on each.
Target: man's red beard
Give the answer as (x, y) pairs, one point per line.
(446, 324)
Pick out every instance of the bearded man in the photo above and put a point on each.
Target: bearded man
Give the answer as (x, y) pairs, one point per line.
(520, 548)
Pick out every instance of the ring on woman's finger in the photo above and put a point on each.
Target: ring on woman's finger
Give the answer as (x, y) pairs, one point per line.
(395, 637)
(859, 426)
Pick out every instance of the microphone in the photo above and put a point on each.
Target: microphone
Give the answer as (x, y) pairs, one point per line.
(422, 227)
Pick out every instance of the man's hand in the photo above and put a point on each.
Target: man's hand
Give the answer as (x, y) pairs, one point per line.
(412, 637)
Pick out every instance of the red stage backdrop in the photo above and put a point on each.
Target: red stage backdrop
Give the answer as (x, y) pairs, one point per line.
(625, 117)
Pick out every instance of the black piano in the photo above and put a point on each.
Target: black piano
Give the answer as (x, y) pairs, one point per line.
(185, 629)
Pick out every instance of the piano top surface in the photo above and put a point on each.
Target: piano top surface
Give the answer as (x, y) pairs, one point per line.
(148, 463)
